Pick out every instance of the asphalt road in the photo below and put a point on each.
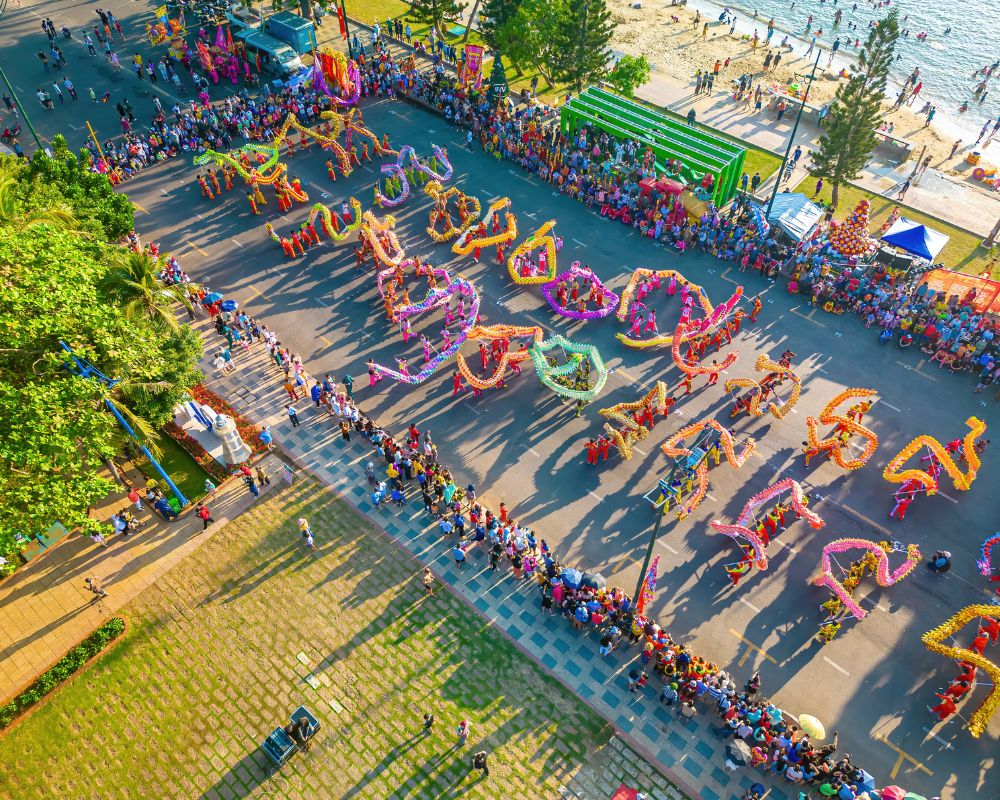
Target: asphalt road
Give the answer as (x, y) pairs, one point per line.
(525, 447)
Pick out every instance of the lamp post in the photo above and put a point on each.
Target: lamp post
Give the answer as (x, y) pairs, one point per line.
(795, 129)
(84, 369)
(20, 108)
(346, 29)
(678, 465)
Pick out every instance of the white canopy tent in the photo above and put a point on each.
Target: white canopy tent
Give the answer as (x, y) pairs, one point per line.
(795, 214)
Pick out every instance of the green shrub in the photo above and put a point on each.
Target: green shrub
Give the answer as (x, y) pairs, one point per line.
(63, 669)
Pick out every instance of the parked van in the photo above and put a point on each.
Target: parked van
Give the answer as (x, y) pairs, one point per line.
(276, 57)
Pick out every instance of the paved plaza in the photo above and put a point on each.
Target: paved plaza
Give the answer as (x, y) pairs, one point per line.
(524, 447)
(179, 706)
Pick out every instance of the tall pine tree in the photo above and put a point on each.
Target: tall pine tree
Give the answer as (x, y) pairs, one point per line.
(581, 36)
(849, 130)
(439, 14)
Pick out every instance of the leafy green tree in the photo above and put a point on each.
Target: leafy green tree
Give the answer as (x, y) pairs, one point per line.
(57, 431)
(439, 14)
(90, 194)
(581, 37)
(133, 284)
(527, 37)
(493, 15)
(629, 74)
(849, 129)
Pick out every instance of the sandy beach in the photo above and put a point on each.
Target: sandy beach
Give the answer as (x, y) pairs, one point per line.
(677, 50)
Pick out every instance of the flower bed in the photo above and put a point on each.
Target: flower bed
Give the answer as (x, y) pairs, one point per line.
(62, 670)
(196, 451)
(247, 430)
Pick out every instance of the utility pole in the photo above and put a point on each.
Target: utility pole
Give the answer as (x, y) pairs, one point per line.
(795, 129)
(84, 369)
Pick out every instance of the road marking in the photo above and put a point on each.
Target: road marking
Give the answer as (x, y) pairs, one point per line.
(582, 244)
(902, 756)
(836, 666)
(144, 211)
(750, 648)
(750, 605)
(671, 549)
(947, 497)
(642, 452)
(195, 247)
(199, 216)
(596, 496)
(328, 342)
(933, 735)
(236, 243)
(259, 293)
(890, 405)
(164, 192)
(533, 452)
(809, 317)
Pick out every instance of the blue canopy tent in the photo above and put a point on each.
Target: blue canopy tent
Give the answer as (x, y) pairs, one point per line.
(915, 238)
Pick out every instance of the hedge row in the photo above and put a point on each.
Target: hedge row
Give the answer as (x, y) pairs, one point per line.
(63, 669)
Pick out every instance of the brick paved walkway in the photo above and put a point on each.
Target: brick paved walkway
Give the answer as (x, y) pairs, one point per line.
(687, 751)
(45, 609)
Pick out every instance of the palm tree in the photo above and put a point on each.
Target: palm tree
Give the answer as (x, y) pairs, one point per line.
(57, 215)
(133, 284)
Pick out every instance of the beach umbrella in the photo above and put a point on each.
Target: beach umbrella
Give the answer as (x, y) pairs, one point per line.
(572, 577)
(593, 580)
(214, 297)
(229, 305)
(812, 726)
(893, 793)
(867, 782)
(738, 752)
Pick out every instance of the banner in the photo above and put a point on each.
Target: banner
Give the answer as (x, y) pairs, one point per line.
(472, 70)
(343, 23)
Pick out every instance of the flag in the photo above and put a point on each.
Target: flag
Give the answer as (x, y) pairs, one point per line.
(648, 586)
(229, 41)
(342, 21)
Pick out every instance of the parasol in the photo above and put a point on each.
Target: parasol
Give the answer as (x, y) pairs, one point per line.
(812, 726)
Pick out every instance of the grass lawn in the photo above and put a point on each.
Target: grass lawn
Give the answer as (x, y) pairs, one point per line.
(220, 651)
(962, 253)
(182, 469)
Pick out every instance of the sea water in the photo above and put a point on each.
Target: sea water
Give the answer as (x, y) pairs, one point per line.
(946, 61)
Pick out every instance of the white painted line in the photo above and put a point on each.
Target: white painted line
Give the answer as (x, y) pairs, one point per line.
(938, 738)
(890, 405)
(947, 497)
(836, 666)
(199, 216)
(596, 496)
(711, 498)
(236, 243)
(533, 452)
(582, 244)
(749, 605)
(165, 192)
(671, 549)
(325, 305)
(643, 452)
